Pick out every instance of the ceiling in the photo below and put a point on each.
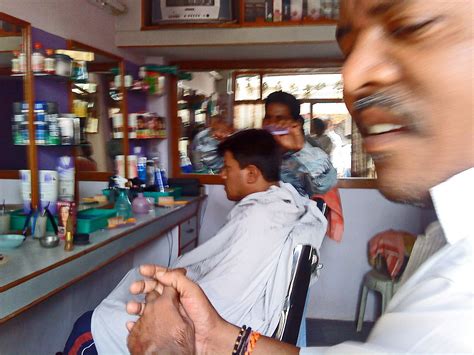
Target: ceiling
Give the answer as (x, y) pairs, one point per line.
(318, 50)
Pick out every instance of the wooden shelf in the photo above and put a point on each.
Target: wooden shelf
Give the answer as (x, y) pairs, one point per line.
(238, 11)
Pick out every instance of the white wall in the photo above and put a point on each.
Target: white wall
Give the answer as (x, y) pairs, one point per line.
(70, 19)
(366, 212)
(10, 191)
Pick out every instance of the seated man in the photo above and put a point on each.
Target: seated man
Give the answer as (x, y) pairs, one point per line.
(307, 168)
(245, 268)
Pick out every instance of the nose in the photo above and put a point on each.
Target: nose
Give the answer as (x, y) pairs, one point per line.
(371, 65)
(222, 174)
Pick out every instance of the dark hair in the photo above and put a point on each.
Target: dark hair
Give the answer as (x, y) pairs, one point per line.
(288, 100)
(254, 147)
(319, 126)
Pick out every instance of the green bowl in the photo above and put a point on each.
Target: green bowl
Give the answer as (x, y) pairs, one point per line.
(11, 241)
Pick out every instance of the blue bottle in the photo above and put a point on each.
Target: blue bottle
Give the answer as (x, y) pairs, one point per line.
(164, 177)
(158, 180)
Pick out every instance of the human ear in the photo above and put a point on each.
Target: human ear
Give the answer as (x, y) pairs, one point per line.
(253, 174)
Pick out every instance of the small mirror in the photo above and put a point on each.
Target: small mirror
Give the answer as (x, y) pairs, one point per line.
(205, 113)
(97, 101)
(13, 109)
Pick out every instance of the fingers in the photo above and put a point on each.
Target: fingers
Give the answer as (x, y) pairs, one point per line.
(145, 286)
(155, 271)
(135, 308)
(176, 279)
(130, 325)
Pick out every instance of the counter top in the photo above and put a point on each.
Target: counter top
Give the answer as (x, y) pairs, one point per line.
(32, 273)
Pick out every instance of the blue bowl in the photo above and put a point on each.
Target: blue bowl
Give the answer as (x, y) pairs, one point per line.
(11, 241)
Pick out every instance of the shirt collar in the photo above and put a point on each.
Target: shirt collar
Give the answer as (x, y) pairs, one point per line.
(452, 200)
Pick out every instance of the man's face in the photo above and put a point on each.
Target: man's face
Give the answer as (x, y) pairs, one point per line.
(408, 81)
(275, 113)
(221, 130)
(234, 178)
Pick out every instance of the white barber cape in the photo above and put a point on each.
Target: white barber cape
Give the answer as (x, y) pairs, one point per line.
(433, 311)
(244, 269)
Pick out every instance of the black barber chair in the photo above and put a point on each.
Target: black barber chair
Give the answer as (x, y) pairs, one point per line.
(305, 263)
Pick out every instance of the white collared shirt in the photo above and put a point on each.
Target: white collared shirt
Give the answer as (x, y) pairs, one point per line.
(433, 311)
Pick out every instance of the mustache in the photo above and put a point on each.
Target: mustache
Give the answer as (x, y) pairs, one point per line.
(380, 99)
(394, 103)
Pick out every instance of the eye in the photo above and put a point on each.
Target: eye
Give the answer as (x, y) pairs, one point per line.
(411, 30)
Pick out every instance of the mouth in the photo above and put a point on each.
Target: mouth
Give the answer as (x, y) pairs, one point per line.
(382, 131)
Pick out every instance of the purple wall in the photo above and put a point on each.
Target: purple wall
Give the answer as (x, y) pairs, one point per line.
(11, 157)
(137, 102)
(51, 89)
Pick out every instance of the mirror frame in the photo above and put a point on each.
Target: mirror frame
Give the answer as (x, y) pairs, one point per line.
(353, 182)
(28, 94)
(104, 175)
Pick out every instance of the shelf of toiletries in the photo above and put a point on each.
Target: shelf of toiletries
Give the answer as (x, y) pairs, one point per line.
(143, 125)
(51, 127)
(52, 63)
(150, 81)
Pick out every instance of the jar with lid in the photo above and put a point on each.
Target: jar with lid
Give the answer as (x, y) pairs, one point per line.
(49, 62)
(37, 59)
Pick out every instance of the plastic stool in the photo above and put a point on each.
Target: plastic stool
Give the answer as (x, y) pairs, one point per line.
(375, 281)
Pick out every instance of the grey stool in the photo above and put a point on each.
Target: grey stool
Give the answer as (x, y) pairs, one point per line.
(378, 282)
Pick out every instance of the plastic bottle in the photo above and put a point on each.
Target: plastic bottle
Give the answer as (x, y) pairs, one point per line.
(164, 176)
(185, 163)
(140, 204)
(37, 59)
(22, 61)
(49, 62)
(150, 173)
(15, 63)
(158, 180)
(123, 205)
(141, 168)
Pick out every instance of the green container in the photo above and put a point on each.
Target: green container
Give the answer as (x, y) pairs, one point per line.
(18, 218)
(174, 191)
(91, 220)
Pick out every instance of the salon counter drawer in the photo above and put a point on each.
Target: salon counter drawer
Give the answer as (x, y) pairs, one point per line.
(188, 232)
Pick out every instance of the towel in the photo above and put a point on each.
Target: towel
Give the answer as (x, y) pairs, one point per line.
(334, 214)
(392, 246)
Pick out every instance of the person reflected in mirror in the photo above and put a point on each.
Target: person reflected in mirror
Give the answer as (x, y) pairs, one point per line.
(319, 138)
(408, 87)
(84, 161)
(204, 155)
(307, 168)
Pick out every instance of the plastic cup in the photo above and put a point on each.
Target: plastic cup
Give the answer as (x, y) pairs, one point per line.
(40, 227)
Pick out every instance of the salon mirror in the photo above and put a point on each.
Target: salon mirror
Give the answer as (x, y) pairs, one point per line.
(13, 111)
(97, 100)
(216, 103)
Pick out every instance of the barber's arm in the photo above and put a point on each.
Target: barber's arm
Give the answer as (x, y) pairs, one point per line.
(294, 140)
(183, 308)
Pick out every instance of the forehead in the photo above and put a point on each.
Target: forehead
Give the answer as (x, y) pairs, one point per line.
(278, 107)
(229, 158)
